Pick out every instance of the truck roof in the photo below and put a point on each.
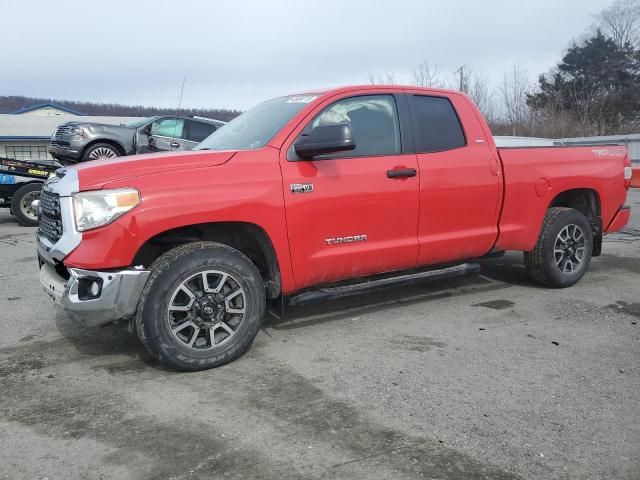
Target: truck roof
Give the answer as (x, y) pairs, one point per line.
(393, 88)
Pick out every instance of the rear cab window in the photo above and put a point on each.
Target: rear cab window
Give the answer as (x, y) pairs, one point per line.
(436, 124)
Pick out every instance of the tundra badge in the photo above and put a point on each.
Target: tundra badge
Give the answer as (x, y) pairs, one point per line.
(349, 239)
(301, 187)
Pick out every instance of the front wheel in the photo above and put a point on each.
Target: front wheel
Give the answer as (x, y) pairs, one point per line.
(202, 306)
(100, 151)
(563, 252)
(21, 204)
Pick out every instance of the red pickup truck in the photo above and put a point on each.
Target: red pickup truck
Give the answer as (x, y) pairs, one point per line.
(306, 190)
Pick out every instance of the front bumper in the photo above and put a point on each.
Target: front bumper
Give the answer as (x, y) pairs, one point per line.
(66, 147)
(117, 298)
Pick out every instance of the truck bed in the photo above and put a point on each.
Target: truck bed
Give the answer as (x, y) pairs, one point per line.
(533, 176)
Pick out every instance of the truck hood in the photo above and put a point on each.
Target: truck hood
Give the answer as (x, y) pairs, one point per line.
(95, 174)
(95, 125)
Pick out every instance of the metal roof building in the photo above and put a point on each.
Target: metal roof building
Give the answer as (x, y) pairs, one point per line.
(46, 109)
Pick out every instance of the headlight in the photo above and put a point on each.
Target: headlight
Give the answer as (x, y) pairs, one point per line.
(77, 131)
(100, 207)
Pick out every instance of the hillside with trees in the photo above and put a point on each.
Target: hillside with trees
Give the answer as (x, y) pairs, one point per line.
(13, 103)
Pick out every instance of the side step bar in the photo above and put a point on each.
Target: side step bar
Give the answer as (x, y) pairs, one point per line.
(371, 285)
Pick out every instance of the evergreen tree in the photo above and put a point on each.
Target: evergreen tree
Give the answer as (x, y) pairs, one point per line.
(597, 83)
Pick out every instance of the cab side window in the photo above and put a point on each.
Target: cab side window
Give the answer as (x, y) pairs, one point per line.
(373, 120)
(168, 127)
(438, 126)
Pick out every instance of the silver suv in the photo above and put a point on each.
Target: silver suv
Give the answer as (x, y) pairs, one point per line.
(76, 141)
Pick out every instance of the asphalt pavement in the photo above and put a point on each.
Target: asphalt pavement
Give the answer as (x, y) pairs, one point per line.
(483, 376)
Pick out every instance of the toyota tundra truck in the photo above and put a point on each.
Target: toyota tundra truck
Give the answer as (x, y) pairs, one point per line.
(305, 191)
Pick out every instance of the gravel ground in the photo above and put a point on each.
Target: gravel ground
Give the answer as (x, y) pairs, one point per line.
(486, 376)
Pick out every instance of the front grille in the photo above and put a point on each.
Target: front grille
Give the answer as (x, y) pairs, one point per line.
(62, 130)
(50, 218)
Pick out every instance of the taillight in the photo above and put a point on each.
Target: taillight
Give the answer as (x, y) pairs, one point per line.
(627, 172)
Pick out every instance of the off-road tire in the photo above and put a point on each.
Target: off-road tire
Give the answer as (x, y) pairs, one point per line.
(167, 272)
(541, 263)
(96, 147)
(18, 209)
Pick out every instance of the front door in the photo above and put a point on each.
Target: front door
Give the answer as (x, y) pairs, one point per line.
(167, 134)
(348, 214)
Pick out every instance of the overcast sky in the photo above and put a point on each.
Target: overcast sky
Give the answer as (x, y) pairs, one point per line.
(236, 53)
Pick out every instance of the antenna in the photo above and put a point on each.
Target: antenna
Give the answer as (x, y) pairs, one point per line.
(175, 127)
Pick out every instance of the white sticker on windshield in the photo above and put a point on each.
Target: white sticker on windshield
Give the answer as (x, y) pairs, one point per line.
(302, 99)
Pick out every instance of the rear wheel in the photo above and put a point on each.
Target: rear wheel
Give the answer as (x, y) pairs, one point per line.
(202, 306)
(563, 252)
(21, 204)
(100, 151)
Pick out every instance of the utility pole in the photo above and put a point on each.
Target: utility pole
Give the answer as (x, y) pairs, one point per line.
(462, 82)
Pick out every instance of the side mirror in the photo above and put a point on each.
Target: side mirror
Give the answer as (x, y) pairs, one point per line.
(325, 139)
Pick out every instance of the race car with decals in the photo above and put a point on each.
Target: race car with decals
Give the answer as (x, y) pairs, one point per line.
(310, 195)
(20, 183)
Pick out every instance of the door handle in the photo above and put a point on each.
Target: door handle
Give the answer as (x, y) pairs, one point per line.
(175, 144)
(401, 172)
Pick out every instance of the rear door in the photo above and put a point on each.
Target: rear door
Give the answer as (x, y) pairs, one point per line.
(195, 132)
(460, 180)
(347, 215)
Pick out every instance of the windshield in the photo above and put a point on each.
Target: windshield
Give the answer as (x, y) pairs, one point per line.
(138, 123)
(254, 128)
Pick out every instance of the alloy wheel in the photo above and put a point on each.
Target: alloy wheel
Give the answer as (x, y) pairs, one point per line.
(25, 205)
(569, 249)
(206, 309)
(102, 152)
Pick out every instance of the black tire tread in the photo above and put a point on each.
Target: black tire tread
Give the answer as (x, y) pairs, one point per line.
(85, 155)
(162, 264)
(534, 260)
(17, 198)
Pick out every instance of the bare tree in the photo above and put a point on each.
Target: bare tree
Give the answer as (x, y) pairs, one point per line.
(482, 95)
(514, 90)
(621, 22)
(386, 78)
(590, 102)
(427, 75)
